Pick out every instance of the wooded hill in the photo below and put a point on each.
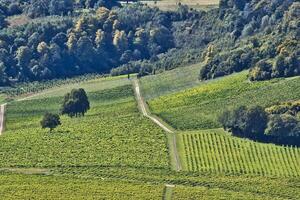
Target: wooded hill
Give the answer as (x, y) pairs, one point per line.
(67, 38)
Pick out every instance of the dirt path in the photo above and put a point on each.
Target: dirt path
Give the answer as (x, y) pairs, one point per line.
(2, 112)
(156, 120)
(168, 191)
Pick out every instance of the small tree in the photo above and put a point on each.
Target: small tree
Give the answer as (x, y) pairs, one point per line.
(75, 103)
(50, 121)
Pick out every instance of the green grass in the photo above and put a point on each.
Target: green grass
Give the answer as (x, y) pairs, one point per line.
(195, 4)
(200, 107)
(14, 186)
(113, 133)
(170, 81)
(92, 85)
(214, 151)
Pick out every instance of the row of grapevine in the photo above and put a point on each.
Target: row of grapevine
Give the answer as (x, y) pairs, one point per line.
(54, 187)
(214, 151)
(34, 87)
(199, 107)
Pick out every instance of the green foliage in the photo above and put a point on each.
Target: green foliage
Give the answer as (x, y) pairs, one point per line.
(218, 152)
(245, 122)
(261, 71)
(75, 103)
(270, 35)
(50, 121)
(291, 107)
(283, 126)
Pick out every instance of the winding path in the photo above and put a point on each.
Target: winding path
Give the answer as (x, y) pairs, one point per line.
(143, 108)
(2, 111)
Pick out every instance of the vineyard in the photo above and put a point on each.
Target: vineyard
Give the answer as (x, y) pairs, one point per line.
(215, 151)
(43, 187)
(264, 186)
(35, 87)
(200, 107)
(115, 153)
(113, 133)
(170, 82)
(191, 193)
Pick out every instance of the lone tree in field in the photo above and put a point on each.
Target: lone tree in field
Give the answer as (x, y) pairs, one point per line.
(50, 121)
(75, 103)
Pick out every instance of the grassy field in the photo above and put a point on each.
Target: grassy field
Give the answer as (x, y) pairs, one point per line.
(200, 106)
(172, 4)
(17, 186)
(91, 85)
(215, 151)
(113, 133)
(170, 82)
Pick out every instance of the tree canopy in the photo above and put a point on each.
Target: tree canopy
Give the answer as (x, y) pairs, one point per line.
(75, 103)
(50, 121)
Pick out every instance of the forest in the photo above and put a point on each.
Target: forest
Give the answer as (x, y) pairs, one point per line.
(66, 38)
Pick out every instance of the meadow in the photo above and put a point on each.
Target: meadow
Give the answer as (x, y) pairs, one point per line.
(215, 151)
(113, 133)
(199, 107)
(170, 82)
(172, 4)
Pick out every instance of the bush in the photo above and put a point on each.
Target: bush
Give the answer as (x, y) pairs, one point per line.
(261, 71)
(50, 121)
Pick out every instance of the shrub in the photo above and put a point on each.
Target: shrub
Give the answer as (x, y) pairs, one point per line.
(50, 121)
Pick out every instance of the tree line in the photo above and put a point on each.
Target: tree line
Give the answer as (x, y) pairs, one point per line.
(135, 38)
(262, 37)
(278, 124)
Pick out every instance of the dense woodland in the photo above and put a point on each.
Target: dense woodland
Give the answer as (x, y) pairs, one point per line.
(65, 38)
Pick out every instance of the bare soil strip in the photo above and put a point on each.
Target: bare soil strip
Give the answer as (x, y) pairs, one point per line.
(168, 191)
(2, 112)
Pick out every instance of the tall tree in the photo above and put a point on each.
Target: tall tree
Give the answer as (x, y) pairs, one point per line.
(75, 103)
